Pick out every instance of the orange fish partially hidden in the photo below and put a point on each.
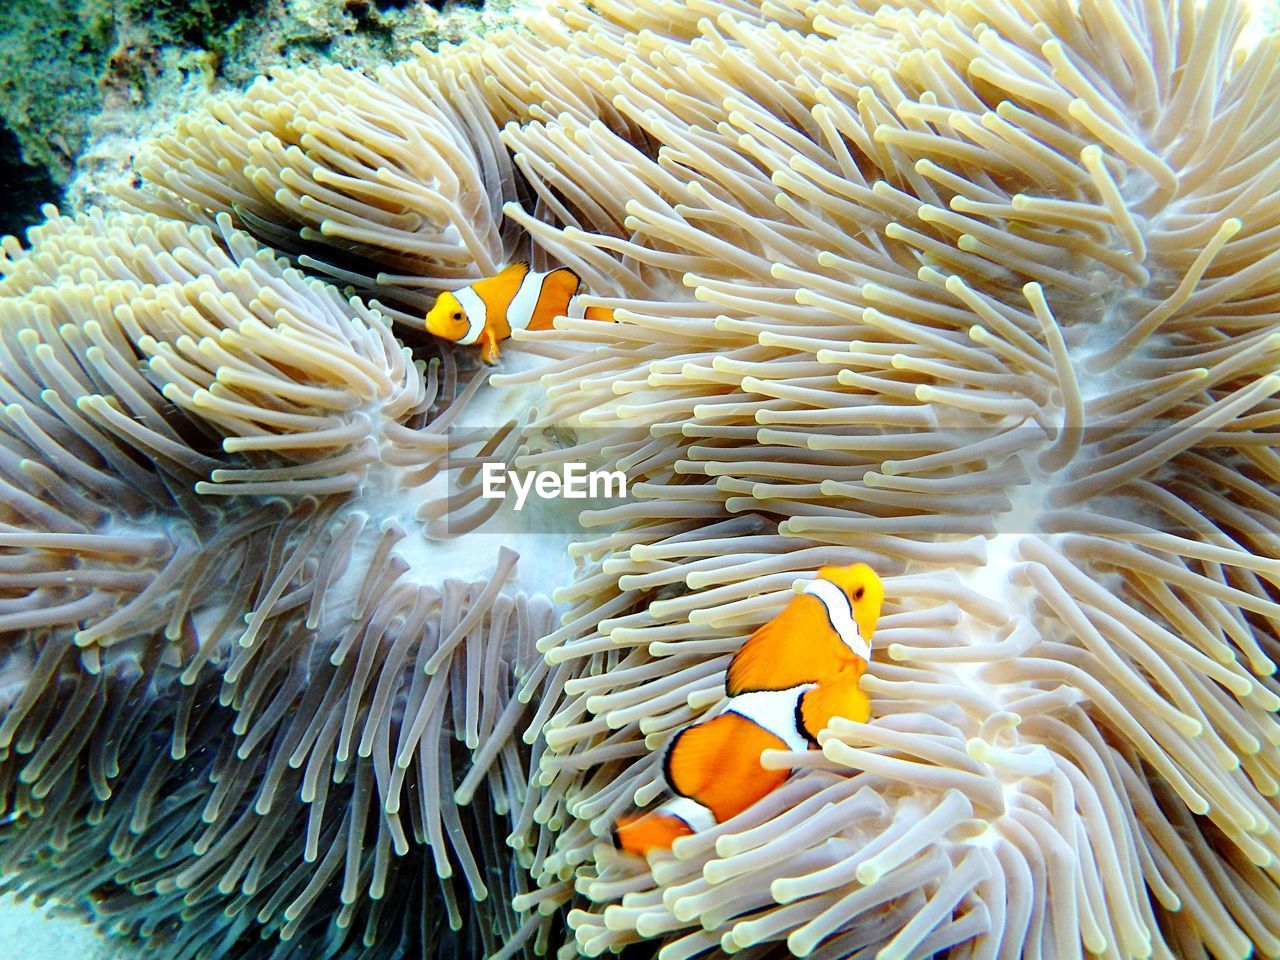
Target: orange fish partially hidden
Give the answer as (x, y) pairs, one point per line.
(485, 312)
(785, 683)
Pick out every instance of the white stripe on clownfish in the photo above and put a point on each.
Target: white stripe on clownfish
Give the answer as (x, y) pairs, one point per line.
(694, 815)
(840, 613)
(525, 302)
(777, 711)
(477, 314)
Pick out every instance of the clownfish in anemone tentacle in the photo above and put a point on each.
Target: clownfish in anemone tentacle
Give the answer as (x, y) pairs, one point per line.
(784, 684)
(517, 298)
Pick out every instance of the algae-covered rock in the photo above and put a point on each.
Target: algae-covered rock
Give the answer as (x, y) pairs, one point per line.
(52, 53)
(61, 59)
(83, 81)
(63, 62)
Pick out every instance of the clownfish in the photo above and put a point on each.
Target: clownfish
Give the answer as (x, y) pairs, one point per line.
(517, 298)
(784, 684)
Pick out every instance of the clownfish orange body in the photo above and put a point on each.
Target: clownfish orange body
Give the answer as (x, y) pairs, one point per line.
(485, 312)
(785, 683)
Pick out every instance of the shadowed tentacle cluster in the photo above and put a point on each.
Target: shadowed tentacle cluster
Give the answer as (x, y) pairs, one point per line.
(220, 481)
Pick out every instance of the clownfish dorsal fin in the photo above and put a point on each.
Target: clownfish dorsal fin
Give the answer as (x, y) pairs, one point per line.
(498, 290)
(716, 763)
(752, 666)
(693, 760)
(797, 646)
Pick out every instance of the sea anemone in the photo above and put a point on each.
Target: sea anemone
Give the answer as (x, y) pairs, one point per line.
(983, 294)
(227, 494)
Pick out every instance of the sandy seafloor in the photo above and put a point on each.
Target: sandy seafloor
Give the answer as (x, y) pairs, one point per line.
(31, 933)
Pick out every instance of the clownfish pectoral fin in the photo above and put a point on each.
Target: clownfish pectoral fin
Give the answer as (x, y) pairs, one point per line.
(639, 833)
(489, 351)
(755, 665)
(839, 697)
(498, 291)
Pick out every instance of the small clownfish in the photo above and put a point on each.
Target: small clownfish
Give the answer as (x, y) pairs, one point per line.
(784, 685)
(517, 298)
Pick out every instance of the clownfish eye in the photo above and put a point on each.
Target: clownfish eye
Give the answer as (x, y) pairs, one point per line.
(857, 594)
(457, 316)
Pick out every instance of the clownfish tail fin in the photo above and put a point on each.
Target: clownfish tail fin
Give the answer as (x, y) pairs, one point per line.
(603, 314)
(576, 308)
(640, 833)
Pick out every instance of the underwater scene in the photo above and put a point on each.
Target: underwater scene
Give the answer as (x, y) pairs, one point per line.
(665, 479)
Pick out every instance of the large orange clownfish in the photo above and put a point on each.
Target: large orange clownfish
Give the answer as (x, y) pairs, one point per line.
(485, 312)
(784, 684)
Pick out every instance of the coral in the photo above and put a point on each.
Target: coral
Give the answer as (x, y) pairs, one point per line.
(983, 294)
(281, 34)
